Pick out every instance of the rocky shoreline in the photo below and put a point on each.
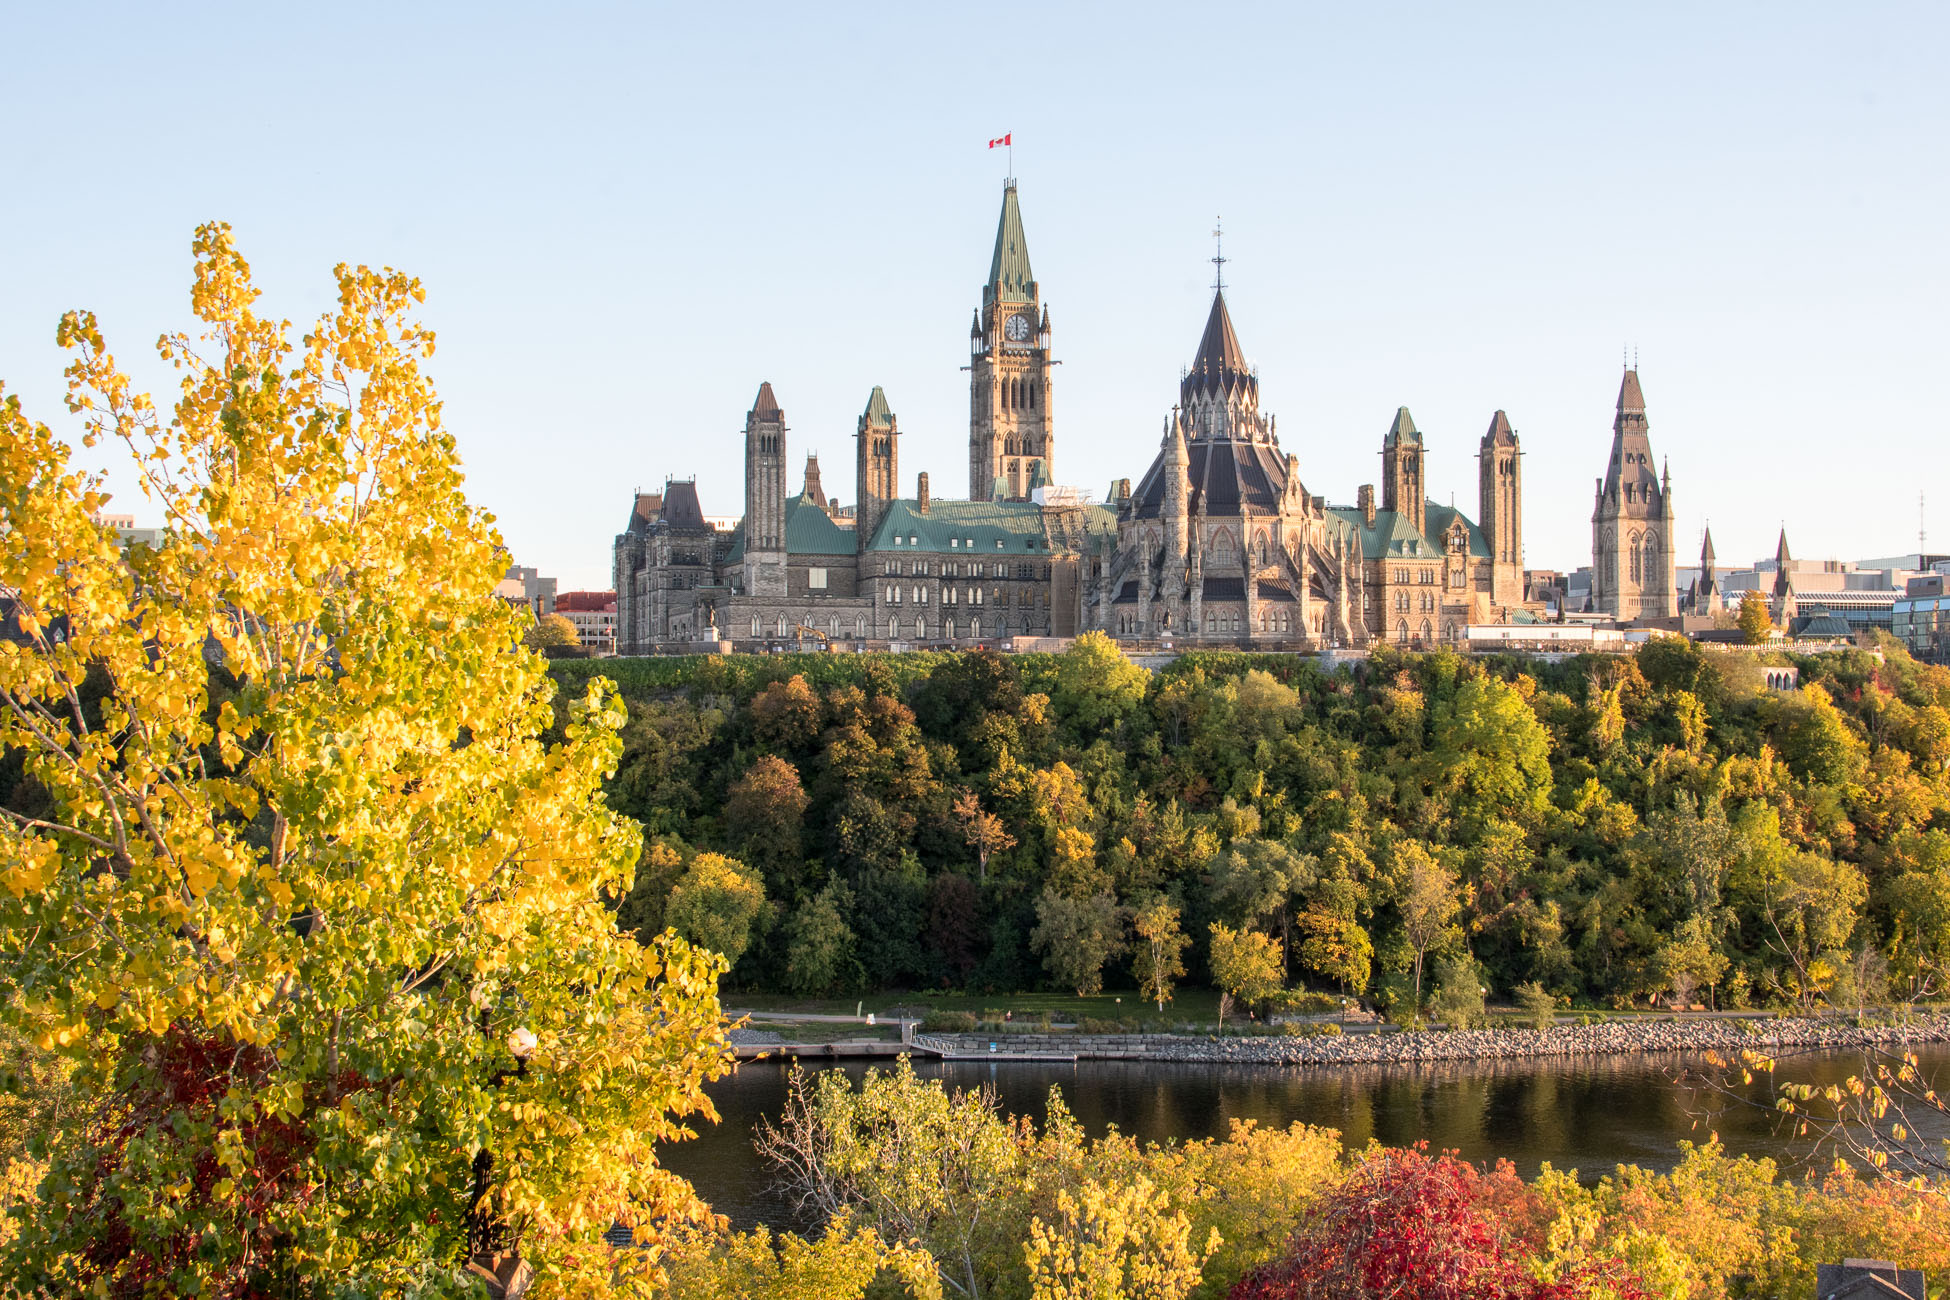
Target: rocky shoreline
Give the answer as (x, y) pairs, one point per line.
(1602, 1039)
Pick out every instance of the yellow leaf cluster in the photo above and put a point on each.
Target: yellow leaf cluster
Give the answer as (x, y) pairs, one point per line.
(299, 857)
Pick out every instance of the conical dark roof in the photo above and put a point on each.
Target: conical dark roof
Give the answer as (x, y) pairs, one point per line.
(1630, 400)
(1706, 550)
(1221, 363)
(1500, 433)
(766, 406)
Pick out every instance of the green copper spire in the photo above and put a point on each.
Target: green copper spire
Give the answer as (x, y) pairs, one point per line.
(1403, 431)
(877, 414)
(1010, 279)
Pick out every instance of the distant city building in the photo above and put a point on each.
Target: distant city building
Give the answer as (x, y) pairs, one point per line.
(1803, 595)
(126, 533)
(1920, 618)
(525, 586)
(594, 616)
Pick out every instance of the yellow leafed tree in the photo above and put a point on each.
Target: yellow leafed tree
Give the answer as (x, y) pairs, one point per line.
(292, 877)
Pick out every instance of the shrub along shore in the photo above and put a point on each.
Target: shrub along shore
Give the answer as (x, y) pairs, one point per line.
(1607, 1038)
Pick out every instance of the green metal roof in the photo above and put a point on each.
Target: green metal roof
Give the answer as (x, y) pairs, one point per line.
(976, 527)
(809, 530)
(1010, 278)
(1393, 536)
(1438, 518)
(877, 413)
(1402, 430)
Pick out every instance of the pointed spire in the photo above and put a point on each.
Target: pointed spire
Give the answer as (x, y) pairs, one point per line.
(1781, 555)
(1175, 453)
(766, 406)
(1500, 433)
(1219, 348)
(877, 413)
(1783, 563)
(813, 489)
(1402, 430)
(975, 327)
(1220, 365)
(1706, 549)
(1010, 279)
(1631, 401)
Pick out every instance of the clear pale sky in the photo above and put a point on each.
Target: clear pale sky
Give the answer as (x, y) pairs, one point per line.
(627, 217)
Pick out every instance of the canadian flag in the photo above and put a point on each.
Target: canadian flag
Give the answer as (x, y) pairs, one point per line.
(1001, 141)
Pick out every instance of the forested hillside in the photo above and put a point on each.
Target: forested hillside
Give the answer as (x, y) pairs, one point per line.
(1612, 828)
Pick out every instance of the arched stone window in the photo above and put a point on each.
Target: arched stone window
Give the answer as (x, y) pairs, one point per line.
(756, 630)
(1638, 572)
(780, 625)
(1222, 548)
(1428, 632)
(859, 625)
(1262, 546)
(1401, 630)
(975, 628)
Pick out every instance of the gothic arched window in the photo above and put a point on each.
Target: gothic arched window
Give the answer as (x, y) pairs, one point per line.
(756, 630)
(1401, 630)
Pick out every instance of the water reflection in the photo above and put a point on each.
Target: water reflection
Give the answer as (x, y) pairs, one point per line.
(1588, 1114)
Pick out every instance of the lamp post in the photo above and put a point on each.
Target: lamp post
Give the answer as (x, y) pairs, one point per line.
(492, 1253)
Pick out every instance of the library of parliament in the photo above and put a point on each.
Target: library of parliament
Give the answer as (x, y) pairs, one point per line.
(1219, 542)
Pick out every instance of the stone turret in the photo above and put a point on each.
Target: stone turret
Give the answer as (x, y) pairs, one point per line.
(877, 471)
(1707, 597)
(1402, 484)
(1499, 467)
(764, 568)
(1632, 520)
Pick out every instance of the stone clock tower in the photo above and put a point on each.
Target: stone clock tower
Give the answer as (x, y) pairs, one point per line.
(1010, 439)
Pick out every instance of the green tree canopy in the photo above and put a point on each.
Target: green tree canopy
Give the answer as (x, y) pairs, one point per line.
(1076, 937)
(714, 904)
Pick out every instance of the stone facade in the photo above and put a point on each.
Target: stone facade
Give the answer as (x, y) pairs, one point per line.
(892, 570)
(1631, 521)
(1219, 543)
(1222, 543)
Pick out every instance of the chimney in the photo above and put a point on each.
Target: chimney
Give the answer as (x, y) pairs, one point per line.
(1366, 501)
(921, 493)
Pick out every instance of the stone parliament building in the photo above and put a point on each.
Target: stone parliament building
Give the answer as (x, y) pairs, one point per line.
(1219, 542)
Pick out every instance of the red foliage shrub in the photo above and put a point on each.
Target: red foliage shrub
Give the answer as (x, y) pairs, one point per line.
(1408, 1225)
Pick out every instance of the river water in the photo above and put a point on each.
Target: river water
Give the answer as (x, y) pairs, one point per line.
(1583, 1113)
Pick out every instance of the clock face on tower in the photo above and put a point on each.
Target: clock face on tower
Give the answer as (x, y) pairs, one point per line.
(1016, 329)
